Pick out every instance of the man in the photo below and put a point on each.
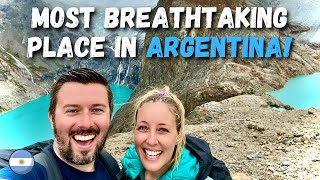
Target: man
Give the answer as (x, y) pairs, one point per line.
(80, 111)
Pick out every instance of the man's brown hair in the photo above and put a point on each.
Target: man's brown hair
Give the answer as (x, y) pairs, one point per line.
(83, 76)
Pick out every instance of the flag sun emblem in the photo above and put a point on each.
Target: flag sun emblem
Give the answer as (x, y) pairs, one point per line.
(21, 162)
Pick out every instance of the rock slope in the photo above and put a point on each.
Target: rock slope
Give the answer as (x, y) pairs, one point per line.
(254, 140)
(197, 81)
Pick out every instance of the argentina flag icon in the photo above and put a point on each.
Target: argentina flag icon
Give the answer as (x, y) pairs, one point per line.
(21, 162)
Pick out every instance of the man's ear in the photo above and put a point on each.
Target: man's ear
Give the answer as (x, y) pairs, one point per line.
(51, 119)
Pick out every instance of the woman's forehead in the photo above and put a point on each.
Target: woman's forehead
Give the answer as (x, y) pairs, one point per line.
(155, 113)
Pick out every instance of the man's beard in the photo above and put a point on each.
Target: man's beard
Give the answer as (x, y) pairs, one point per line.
(67, 153)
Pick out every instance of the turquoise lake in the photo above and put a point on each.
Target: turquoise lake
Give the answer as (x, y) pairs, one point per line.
(29, 123)
(300, 92)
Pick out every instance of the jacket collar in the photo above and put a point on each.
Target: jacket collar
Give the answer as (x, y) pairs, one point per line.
(188, 166)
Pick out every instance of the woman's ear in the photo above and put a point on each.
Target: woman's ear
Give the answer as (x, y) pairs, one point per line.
(179, 137)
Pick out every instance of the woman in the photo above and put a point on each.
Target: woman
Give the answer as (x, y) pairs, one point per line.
(161, 149)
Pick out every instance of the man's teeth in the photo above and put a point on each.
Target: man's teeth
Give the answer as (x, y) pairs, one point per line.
(153, 154)
(83, 138)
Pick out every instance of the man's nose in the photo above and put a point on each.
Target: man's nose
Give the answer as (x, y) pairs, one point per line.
(85, 120)
(152, 139)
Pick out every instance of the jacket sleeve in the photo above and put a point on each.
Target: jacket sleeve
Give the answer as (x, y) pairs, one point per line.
(219, 170)
(209, 165)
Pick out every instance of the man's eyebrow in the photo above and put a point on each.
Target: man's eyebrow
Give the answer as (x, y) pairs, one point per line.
(71, 105)
(95, 105)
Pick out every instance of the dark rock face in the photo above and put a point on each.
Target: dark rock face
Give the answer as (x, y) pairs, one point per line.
(15, 29)
(197, 81)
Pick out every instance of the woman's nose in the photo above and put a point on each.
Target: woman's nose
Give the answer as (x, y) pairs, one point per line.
(152, 139)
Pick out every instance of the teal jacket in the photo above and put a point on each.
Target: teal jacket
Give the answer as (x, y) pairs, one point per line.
(188, 166)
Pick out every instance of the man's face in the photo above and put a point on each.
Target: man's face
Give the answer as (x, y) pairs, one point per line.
(81, 121)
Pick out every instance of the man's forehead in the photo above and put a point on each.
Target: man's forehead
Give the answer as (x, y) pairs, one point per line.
(75, 84)
(78, 106)
(74, 91)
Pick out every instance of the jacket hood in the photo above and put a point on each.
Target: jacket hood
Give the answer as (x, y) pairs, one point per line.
(201, 150)
(209, 165)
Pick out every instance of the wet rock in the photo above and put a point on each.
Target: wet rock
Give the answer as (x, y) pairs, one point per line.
(256, 127)
(317, 159)
(231, 144)
(249, 157)
(286, 163)
(205, 113)
(298, 134)
(316, 56)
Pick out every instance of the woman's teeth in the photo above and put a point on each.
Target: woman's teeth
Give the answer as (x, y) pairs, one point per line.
(153, 154)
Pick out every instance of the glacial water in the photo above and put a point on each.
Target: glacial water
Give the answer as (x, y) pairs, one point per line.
(300, 92)
(29, 123)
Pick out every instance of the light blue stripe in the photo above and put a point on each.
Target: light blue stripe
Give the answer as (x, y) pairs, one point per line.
(21, 154)
(21, 169)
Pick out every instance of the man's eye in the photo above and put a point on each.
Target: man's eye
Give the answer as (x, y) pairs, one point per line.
(97, 110)
(71, 111)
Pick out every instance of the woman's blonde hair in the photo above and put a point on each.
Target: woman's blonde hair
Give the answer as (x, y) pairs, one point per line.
(176, 107)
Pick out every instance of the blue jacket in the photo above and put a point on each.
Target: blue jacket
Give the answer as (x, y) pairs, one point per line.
(196, 154)
(187, 168)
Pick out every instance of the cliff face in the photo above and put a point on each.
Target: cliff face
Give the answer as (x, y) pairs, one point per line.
(15, 22)
(197, 81)
(16, 83)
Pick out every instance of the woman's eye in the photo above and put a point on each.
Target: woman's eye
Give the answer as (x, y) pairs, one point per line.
(163, 130)
(143, 128)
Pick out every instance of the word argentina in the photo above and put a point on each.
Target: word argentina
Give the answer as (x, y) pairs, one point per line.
(253, 17)
(217, 47)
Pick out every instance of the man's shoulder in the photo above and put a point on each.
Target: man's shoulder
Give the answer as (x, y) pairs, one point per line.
(110, 164)
(37, 172)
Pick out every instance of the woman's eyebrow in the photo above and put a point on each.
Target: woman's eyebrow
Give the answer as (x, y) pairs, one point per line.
(163, 124)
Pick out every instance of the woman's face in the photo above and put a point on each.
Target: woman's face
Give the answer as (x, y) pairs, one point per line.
(155, 136)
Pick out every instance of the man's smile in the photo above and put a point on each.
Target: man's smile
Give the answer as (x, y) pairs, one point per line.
(84, 141)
